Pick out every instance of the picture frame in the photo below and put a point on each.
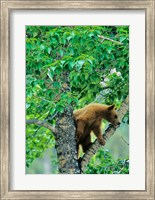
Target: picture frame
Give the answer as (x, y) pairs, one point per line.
(6, 7)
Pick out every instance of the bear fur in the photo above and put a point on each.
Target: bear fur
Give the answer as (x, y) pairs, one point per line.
(89, 119)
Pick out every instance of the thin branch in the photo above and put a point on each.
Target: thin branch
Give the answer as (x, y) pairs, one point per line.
(123, 167)
(105, 38)
(107, 134)
(124, 140)
(41, 123)
(52, 117)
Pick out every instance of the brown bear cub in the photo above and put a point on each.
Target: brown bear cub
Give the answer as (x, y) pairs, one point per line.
(89, 119)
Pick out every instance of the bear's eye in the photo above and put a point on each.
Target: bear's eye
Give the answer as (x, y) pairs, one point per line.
(115, 116)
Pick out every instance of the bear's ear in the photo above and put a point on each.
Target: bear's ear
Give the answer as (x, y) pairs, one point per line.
(111, 107)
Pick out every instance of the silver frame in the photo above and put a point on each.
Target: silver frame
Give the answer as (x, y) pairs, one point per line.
(6, 7)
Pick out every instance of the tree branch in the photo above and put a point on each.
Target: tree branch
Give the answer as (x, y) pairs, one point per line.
(41, 123)
(124, 140)
(51, 117)
(108, 133)
(105, 38)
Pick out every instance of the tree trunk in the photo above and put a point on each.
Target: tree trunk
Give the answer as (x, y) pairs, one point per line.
(66, 144)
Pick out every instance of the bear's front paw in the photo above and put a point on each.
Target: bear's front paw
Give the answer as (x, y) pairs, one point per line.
(101, 141)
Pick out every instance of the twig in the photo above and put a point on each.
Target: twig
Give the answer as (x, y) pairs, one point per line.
(41, 123)
(124, 140)
(52, 117)
(122, 167)
(105, 38)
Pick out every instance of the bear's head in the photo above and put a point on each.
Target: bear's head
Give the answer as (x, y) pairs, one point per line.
(111, 115)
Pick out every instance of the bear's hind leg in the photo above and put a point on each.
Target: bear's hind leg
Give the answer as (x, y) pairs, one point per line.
(80, 129)
(86, 143)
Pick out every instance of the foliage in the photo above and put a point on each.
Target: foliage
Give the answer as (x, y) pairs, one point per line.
(47, 164)
(37, 140)
(103, 163)
(71, 65)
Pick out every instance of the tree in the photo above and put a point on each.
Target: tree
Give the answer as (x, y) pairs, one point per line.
(67, 68)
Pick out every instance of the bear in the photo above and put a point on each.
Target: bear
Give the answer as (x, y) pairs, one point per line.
(89, 119)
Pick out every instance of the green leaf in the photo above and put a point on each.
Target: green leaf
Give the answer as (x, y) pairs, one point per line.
(42, 46)
(79, 64)
(49, 50)
(35, 34)
(61, 52)
(27, 105)
(56, 84)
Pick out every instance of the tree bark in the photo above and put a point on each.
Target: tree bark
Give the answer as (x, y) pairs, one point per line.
(108, 133)
(66, 144)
